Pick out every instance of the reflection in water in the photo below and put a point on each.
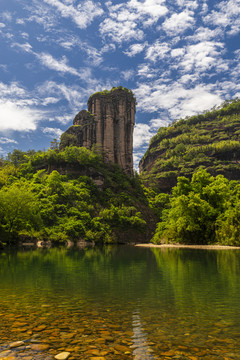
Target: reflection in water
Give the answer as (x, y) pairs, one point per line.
(121, 303)
(140, 343)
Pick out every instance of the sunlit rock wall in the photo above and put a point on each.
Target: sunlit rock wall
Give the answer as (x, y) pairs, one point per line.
(108, 124)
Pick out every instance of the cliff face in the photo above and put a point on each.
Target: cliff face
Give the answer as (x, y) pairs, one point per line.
(109, 124)
(211, 141)
(82, 133)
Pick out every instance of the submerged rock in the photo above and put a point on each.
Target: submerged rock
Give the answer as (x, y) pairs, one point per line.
(62, 356)
(40, 347)
(16, 344)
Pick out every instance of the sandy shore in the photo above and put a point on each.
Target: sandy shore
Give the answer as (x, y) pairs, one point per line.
(177, 246)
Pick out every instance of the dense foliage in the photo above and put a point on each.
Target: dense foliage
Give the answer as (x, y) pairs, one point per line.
(69, 195)
(205, 210)
(210, 140)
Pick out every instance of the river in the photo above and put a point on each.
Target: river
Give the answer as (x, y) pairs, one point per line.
(120, 302)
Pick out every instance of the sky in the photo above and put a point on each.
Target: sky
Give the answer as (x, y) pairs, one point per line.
(179, 57)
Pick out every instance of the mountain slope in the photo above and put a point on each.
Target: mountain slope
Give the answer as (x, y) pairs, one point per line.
(210, 140)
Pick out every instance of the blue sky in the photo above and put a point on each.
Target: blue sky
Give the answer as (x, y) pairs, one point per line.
(179, 57)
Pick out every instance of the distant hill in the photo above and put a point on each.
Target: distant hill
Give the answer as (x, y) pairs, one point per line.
(210, 140)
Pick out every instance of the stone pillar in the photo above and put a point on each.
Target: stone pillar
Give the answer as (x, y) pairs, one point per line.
(114, 114)
(108, 141)
(114, 119)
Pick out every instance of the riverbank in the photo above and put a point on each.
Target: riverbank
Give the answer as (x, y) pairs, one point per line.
(177, 246)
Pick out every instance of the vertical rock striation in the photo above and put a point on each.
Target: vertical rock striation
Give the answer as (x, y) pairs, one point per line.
(109, 124)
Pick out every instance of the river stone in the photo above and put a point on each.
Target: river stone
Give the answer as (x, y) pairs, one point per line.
(4, 353)
(121, 348)
(16, 344)
(40, 347)
(40, 328)
(62, 356)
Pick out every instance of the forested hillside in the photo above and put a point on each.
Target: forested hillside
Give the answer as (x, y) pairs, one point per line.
(188, 191)
(210, 141)
(70, 195)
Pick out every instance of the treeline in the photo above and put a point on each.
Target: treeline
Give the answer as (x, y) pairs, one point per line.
(72, 195)
(46, 196)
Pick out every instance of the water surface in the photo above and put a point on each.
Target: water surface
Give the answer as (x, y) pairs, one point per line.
(121, 303)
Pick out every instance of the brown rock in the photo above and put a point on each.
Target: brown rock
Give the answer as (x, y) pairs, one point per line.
(40, 328)
(121, 348)
(16, 344)
(108, 125)
(40, 347)
(62, 356)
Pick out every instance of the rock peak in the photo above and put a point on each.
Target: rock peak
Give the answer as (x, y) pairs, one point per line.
(109, 124)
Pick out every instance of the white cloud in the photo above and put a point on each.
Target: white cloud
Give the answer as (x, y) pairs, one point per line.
(135, 49)
(2, 25)
(145, 71)
(6, 15)
(189, 4)
(126, 21)
(154, 9)
(3, 67)
(120, 31)
(5, 140)
(141, 135)
(82, 15)
(74, 95)
(13, 117)
(177, 52)
(157, 51)
(157, 123)
(178, 23)
(63, 119)
(176, 99)
(50, 100)
(127, 74)
(205, 34)
(203, 56)
(25, 47)
(226, 15)
(42, 14)
(58, 65)
(20, 21)
(52, 132)
(93, 55)
(12, 90)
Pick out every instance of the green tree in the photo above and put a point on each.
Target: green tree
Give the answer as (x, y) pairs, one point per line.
(18, 209)
(194, 209)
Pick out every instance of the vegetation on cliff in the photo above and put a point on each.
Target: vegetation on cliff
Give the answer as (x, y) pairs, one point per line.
(107, 92)
(210, 140)
(70, 195)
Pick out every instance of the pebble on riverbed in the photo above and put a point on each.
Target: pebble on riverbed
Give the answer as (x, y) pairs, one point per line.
(16, 344)
(62, 356)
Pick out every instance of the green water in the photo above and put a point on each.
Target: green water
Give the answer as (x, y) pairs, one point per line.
(121, 303)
